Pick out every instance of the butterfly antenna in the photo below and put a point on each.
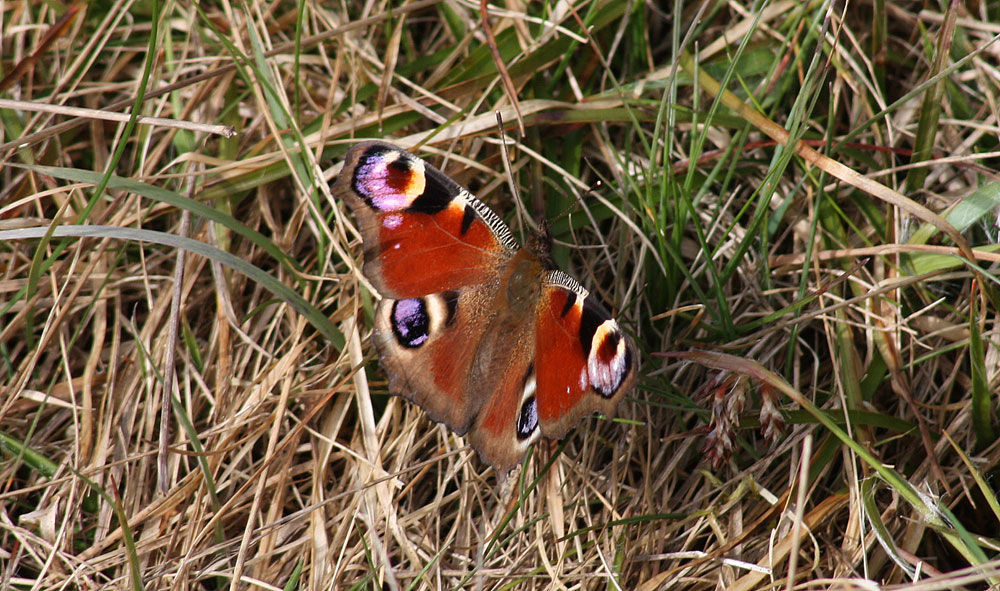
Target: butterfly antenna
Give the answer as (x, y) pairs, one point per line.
(506, 159)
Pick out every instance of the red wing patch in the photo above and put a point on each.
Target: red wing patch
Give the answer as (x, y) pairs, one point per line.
(561, 362)
(421, 253)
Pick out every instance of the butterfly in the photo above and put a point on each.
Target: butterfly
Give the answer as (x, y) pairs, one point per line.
(487, 337)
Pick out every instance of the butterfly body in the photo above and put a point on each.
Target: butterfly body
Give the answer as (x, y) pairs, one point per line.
(486, 336)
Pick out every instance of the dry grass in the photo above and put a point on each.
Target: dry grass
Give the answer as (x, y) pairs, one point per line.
(189, 400)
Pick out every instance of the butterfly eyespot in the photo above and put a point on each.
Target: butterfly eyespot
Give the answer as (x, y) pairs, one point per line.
(608, 362)
(527, 420)
(410, 322)
(389, 180)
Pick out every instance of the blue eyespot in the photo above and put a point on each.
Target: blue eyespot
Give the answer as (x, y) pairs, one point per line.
(410, 322)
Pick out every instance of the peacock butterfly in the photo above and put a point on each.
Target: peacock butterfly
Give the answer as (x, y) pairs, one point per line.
(487, 337)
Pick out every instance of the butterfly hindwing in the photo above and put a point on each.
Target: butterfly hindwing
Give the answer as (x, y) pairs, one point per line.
(508, 423)
(428, 346)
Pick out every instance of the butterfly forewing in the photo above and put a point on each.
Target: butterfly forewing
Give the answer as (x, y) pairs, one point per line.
(422, 232)
(584, 362)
